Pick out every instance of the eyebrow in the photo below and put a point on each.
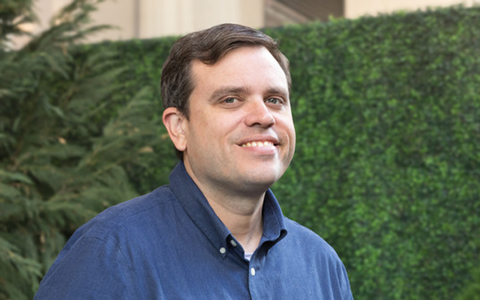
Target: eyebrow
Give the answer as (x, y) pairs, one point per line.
(228, 90)
(279, 91)
(236, 90)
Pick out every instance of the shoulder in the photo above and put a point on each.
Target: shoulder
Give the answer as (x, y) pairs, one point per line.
(304, 234)
(310, 243)
(130, 214)
(95, 262)
(312, 252)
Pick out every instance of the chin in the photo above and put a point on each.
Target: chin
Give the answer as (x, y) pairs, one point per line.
(260, 175)
(263, 182)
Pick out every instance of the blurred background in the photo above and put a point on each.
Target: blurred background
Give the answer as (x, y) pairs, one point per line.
(156, 18)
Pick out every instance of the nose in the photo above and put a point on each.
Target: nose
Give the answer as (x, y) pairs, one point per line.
(258, 114)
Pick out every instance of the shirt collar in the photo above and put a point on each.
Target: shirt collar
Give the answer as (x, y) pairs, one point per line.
(273, 222)
(202, 214)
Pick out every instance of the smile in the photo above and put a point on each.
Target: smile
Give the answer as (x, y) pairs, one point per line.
(258, 144)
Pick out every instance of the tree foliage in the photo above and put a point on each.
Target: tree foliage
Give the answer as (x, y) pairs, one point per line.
(61, 160)
(472, 290)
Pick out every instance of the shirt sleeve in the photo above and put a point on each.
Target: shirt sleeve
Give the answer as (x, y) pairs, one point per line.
(345, 284)
(89, 269)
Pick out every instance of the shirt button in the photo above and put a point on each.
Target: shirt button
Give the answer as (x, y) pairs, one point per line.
(233, 243)
(222, 250)
(252, 271)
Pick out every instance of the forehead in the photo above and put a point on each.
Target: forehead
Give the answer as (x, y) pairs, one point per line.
(252, 65)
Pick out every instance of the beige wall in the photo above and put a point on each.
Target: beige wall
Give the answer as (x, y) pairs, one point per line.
(118, 13)
(357, 8)
(121, 17)
(154, 18)
(167, 17)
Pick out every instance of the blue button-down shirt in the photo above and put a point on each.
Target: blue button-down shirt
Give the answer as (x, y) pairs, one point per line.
(169, 244)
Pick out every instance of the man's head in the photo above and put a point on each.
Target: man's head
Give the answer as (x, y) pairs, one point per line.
(208, 46)
(226, 93)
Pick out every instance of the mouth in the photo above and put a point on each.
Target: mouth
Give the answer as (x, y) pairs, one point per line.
(258, 144)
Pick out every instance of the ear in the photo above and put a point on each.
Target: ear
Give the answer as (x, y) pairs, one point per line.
(174, 121)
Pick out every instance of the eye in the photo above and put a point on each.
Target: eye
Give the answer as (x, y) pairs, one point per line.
(274, 101)
(230, 100)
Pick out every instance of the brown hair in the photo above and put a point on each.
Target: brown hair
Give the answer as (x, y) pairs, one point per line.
(208, 46)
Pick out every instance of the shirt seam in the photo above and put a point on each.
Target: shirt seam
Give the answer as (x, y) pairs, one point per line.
(120, 251)
(118, 224)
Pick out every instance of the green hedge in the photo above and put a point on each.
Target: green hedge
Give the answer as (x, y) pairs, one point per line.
(387, 167)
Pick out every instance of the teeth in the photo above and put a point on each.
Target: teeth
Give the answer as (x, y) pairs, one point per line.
(258, 144)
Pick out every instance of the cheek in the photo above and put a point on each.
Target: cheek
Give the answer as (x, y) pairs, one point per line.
(293, 135)
(286, 123)
(222, 124)
(207, 133)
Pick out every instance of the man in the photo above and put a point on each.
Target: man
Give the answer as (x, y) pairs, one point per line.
(217, 231)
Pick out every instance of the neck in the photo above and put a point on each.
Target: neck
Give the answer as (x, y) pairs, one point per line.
(243, 217)
(240, 208)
